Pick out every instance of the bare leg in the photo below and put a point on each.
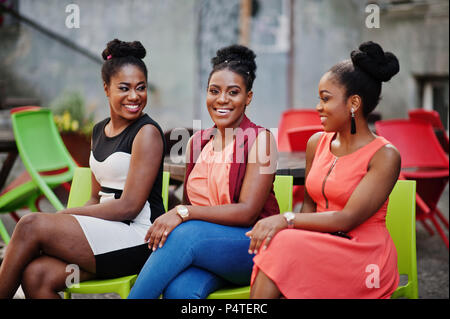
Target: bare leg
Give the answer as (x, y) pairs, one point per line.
(56, 235)
(45, 276)
(264, 288)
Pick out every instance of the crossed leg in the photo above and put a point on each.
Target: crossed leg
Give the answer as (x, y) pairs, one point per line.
(41, 247)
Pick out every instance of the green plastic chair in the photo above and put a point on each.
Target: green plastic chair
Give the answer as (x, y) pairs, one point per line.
(401, 223)
(42, 150)
(15, 197)
(79, 194)
(46, 160)
(283, 192)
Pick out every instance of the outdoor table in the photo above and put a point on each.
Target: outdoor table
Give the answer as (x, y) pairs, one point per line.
(7, 145)
(289, 163)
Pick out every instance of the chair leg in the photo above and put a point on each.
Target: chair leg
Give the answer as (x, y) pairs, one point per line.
(4, 233)
(15, 216)
(66, 186)
(440, 230)
(427, 227)
(441, 217)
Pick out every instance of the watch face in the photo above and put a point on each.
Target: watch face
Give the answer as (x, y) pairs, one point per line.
(289, 216)
(182, 210)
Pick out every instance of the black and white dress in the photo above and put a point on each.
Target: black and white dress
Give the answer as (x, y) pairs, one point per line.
(119, 246)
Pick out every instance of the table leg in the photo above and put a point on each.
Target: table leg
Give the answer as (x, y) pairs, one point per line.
(7, 166)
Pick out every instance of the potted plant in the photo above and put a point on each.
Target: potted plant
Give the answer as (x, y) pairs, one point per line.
(74, 125)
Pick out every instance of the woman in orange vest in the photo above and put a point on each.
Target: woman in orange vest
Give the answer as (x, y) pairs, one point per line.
(201, 245)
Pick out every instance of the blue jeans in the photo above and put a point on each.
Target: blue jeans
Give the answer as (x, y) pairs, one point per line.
(198, 258)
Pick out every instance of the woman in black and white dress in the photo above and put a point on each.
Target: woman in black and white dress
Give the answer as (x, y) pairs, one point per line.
(105, 238)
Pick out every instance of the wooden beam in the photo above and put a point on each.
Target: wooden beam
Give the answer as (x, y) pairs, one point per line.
(291, 58)
(245, 22)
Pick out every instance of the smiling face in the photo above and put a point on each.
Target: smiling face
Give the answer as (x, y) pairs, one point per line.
(334, 107)
(227, 98)
(127, 93)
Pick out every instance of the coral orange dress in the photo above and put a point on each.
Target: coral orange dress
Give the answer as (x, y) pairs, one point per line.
(308, 264)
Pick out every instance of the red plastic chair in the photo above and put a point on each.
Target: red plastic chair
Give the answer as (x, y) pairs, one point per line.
(423, 160)
(434, 119)
(298, 138)
(293, 119)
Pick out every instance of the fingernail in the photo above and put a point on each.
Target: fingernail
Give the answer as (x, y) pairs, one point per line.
(160, 245)
(250, 252)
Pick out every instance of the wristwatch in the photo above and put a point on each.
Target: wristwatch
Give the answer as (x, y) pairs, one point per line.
(183, 212)
(289, 216)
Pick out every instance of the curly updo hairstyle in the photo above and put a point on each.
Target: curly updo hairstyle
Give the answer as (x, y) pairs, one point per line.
(236, 58)
(363, 74)
(119, 53)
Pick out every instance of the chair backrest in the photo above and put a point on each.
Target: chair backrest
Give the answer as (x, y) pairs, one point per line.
(24, 108)
(282, 187)
(298, 137)
(81, 188)
(429, 116)
(165, 189)
(416, 142)
(292, 119)
(401, 223)
(42, 151)
(80, 192)
(38, 141)
(434, 119)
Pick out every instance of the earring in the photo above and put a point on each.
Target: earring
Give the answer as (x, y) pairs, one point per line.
(353, 123)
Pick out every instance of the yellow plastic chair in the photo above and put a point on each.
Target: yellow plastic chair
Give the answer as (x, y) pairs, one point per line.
(80, 193)
(283, 192)
(401, 223)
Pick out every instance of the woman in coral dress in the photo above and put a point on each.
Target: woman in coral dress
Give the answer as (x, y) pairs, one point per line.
(338, 246)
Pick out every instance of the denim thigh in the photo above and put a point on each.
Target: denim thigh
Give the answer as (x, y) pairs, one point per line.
(193, 283)
(221, 250)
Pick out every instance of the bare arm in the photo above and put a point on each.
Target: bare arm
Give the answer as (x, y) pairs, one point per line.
(309, 205)
(146, 157)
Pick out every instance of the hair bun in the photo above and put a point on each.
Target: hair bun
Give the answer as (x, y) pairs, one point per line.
(235, 53)
(373, 60)
(119, 49)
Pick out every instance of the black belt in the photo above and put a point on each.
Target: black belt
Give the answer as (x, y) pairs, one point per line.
(117, 193)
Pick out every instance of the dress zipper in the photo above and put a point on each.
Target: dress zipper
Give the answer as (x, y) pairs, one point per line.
(325, 179)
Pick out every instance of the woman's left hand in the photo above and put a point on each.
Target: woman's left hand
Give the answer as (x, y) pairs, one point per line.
(264, 230)
(161, 228)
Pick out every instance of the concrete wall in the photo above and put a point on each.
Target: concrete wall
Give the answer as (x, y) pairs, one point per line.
(419, 35)
(182, 36)
(166, 29)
